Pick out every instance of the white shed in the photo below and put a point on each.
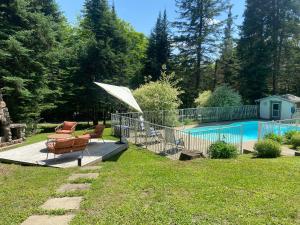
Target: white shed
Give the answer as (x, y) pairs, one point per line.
(278, 107)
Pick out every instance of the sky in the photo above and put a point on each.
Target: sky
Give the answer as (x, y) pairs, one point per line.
(141, 14)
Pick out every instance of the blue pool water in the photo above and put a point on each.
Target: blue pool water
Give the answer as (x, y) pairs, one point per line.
(232, 131)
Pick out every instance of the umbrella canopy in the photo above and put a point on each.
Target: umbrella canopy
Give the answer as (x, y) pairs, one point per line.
(121, 93)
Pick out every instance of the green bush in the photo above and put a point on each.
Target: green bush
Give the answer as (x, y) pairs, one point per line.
(203, 99)
(222, 150)
(267, 149)
(222, 96)
(289, 134)
(274, 137)
(295, 140)
(161, 95)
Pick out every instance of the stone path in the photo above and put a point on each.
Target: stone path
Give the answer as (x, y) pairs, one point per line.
(83, 176)
(48, 220)
(64, 203)
(73, 187)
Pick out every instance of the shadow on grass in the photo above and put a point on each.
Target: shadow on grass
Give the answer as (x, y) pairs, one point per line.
(115, 158)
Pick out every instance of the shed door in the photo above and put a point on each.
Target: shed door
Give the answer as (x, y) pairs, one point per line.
(276, 110)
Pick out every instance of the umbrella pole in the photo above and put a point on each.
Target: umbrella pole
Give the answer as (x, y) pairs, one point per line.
(120, 142)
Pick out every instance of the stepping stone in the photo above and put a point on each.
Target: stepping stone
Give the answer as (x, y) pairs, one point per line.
(73, 187)
(67, 203)
(86, 168)
(83, 176)
(48, 220)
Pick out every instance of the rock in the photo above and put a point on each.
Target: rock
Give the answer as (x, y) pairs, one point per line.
(48, 220)
(66, 203)
(186, 155)
(73, 187)
(83, 176)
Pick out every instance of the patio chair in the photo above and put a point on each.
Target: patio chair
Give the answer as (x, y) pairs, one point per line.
(97, 133)
(59, 147)
(152, 134)
(177, 144)
(66, 128)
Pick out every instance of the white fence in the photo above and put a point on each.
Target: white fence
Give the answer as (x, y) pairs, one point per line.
(279, 127)
(170, 141)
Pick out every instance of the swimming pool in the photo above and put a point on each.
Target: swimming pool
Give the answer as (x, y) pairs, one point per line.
(231, 131)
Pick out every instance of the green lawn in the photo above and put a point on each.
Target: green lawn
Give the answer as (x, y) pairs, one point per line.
(142, 188)
(138, 187)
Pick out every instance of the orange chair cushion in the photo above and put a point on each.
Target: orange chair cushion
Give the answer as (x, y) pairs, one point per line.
(64, 143)
(68, 125)
(98, 132)
(85, 136)
(64, 132)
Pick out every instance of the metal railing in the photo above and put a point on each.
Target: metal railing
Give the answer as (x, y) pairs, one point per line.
(169, 141)
(180, 117)
(279, 127)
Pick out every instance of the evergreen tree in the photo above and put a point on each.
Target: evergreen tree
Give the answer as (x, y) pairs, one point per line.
(228, 63)
(159, 48)
(254, 52)
(270, 30)
(283, 28)
(29, 38)
(198, 35)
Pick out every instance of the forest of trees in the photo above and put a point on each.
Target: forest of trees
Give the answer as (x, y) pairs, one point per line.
(47, 66)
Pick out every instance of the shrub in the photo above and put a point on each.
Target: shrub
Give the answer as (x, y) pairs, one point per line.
(222, 150)
(189, 122)
(203, 99)
(225, 96)
(289, 134)
(295, 140)
(160, 95)
(267, 149)
(274, 137)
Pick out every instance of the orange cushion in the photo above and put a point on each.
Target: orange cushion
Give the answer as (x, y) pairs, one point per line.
(64, 143)
(85, 136)
(81, 141)
(64, 132)
(68, 125)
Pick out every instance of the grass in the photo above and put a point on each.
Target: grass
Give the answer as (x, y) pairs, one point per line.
(138, 187)
(24, 189)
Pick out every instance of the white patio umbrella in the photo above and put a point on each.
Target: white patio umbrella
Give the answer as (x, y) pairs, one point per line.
(124, 95)
(121, 93)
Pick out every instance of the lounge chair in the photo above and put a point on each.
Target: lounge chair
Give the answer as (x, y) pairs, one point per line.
(177, 144)
(67, 146)
(153, 135)
(66, 128)
(149, 132)
(97, 133)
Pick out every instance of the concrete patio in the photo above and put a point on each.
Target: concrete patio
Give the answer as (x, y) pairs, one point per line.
(36, 154)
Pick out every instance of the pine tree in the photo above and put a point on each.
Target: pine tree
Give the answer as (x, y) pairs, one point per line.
(271, 28)
(283, 27)
(29, 36)
(159, 48)
(254, 52)
(198, 34)
(228, 63)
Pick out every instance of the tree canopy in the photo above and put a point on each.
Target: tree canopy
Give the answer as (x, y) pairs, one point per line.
(47, 66)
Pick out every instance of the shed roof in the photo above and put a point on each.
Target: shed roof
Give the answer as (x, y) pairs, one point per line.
(286, 97)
